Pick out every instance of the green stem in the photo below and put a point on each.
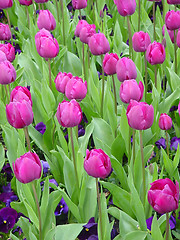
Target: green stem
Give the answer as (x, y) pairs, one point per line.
(145, 63)
(7, 96)
(62, 12)
(49, 66)
(99, 207)
(27, 13)
(139, 17)
(9, 26)
(155, 73)
(57, 11)
(9, 87)
(38, 209)
(27, 138)
(154, 20)
(88, 59)
(34, 8)
(102, 97)
(167, 226)
(80, 14)
(129, 150)
(83, 57)
(134, 146)
(167, 143)
(143, 168)
(175, 52)
(130, 38)
(115, 100)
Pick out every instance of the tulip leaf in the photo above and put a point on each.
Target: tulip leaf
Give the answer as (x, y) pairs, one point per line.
(44, 200)
(26, 227)
(124, 128)
(32, 215)
(136, 235)
(167, 163)
(155, 230)
(68, 231)
(2, 156)
(72, 64)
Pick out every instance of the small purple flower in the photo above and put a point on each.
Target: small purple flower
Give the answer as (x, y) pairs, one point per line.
(2, 15)
(41, 127)
(149, 223)
(46, 167)
(161, 143)
(8, 217)
(173, 108)
(8, 171)
(62, 207)
(174, 143)
(172, 222)
(93, 237)
(90, 229)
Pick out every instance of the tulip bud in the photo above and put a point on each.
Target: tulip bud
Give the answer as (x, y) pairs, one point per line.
(2, 56)
(163, 195)
(19, 94)
(172, 20)
(140, 41)
(6, 4)
(131, 90)
(61, 81)
(109, 63)
(140, 115)
(69, 114)
(27, 168)
(7, 72)
(79, 4)
(80, 25)
(86, 32)
(5, 33)
(98, 44)
(155, 53)
(165, 122)
(25, 2)
(170, 32)
(9, 50)
(46, 20)
(173, 1)
(97, 164)
(125, 7)
(126, 69)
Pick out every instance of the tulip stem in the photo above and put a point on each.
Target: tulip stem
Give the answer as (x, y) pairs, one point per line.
(62, 12)
(9, 87)
(74, 157)
(155, 72)
(175, 53)
(34, 8)
(9, 26)
(102, 97)
(6, 91)
(130, 38)
(100, 211)
(134, 145)
(27, 138)
(80, 14)
(83, 57)
(139, 17)
(88, 59)
(38, 209)
(115, 100)
(167, 226)
(145, 62)
(49, 66)
(167, 143)
(57, 11)
(129, 150)
(143, 168)
(27, 13)
(154, 20)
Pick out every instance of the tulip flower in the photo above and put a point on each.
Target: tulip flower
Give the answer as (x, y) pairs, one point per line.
(126, 69)
(9, 50)
(5, 33)
(173, 1)
(61, 81)
(98, 44)
(79, 4)
(172, 20)
(155, 53)
(8, 72)
(80, 25)
(86, 32)
(27, 168)
(140, 41)
(165, 122)
(6, 4)
(2, 56)
(46, 20)
(109, 63)
(19, 94)
(125, 7)
(170, 32)
(41, 1)
(25, 2)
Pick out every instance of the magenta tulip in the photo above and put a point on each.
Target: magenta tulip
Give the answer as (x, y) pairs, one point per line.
(163, 195)
(7, 72)
(2, 56)
(172, 20)
(76, 89)
(19, 114)
(140, 115)
(126, 69)
(81, 24)
(178, 38)
(6, 4)
(19, 94)
(170, 32)
(9, 50)
(79, 4)
(46, 20)
(69, 114)
(125, 7)
(131, 90)
(173, 1)
(97, 164)
(86, 32)
(27, 168)
(98, 44)
(155, 53)
(46, 45)
(109, 63)
(165, 122)
(61, 81)
(41, 1)
(25, 2)
(140, 41)
(5, 33)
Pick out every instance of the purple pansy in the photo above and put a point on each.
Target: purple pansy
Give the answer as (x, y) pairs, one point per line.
(8, 217)
(174, 143)
(161, 143)
(41, 127)
(46, 167)
(90, 229)
(172, 222)
(62, 207)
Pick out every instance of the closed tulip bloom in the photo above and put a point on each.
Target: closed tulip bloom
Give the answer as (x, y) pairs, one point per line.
(5, 33)
(2, 56)
(173, 1)
(98, 44)
(46, 20)
(19, 94)
(140, 41)
(79, 4)
(140, 115)
(27, 168)
(69, 114)
(125, 7)
(179, 108)
(126, 69)
(131, 90)
(46, 45)
(86, 32)
(109, 63)
(170, 32)
(155, 53)
(9, 50)
(172, 20)
(80, 25)
(163, 195)
(165, 122)
(61, 81)
(76, 89)
(25, 2)
(97, 164)
(19, 114)
(6, 4)
(7, 72)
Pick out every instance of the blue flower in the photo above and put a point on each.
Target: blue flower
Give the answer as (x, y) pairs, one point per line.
(161, 143)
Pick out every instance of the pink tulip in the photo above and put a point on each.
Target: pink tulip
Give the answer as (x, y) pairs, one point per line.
(19, 94)
(140, 115)
(109, 63)
(6, 4)
(81, 24)
(165, 122)
(86, 32)
(172, 20)
(98, 44)
(131, 90)
(155, 53)
(126, 69)
(178, 38)
(76, 89)
(27, 168)
(25, 2)
(163, 195)
(61, 81)
(125, 7)
(5, 33)
(19, 114)
(41, 1)
(179, 108)
(173, 1)
(7, 72)
(140, 41)
(97, 164)
(69, 114)
(46, 20)
(2, 56)
(170, 32)
(46, 45)
(79, 4)
(9, 50)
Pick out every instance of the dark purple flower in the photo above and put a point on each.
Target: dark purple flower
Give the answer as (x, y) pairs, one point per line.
(161, 143)
(93, 237)
(62, 207)
(7, 188)
(8, 171)
(50, 181)
(46, 167)
(41, 127)
(8, 217)
(90, 229)
(174, 143)
(2, 15)
(106, 9)
(149, 222)
(8, 197)
(173, 108)
(172, 222)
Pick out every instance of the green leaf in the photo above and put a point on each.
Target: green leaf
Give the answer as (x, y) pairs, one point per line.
(2, 156)
(32, 215)
(136, 235)
(124, 128)
(68, 231)
(155, 230)
(72, 64)
(118, 148)
(45, 200)
(168, 163)
(84, 140)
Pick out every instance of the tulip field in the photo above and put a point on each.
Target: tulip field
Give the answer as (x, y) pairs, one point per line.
(90, 119)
